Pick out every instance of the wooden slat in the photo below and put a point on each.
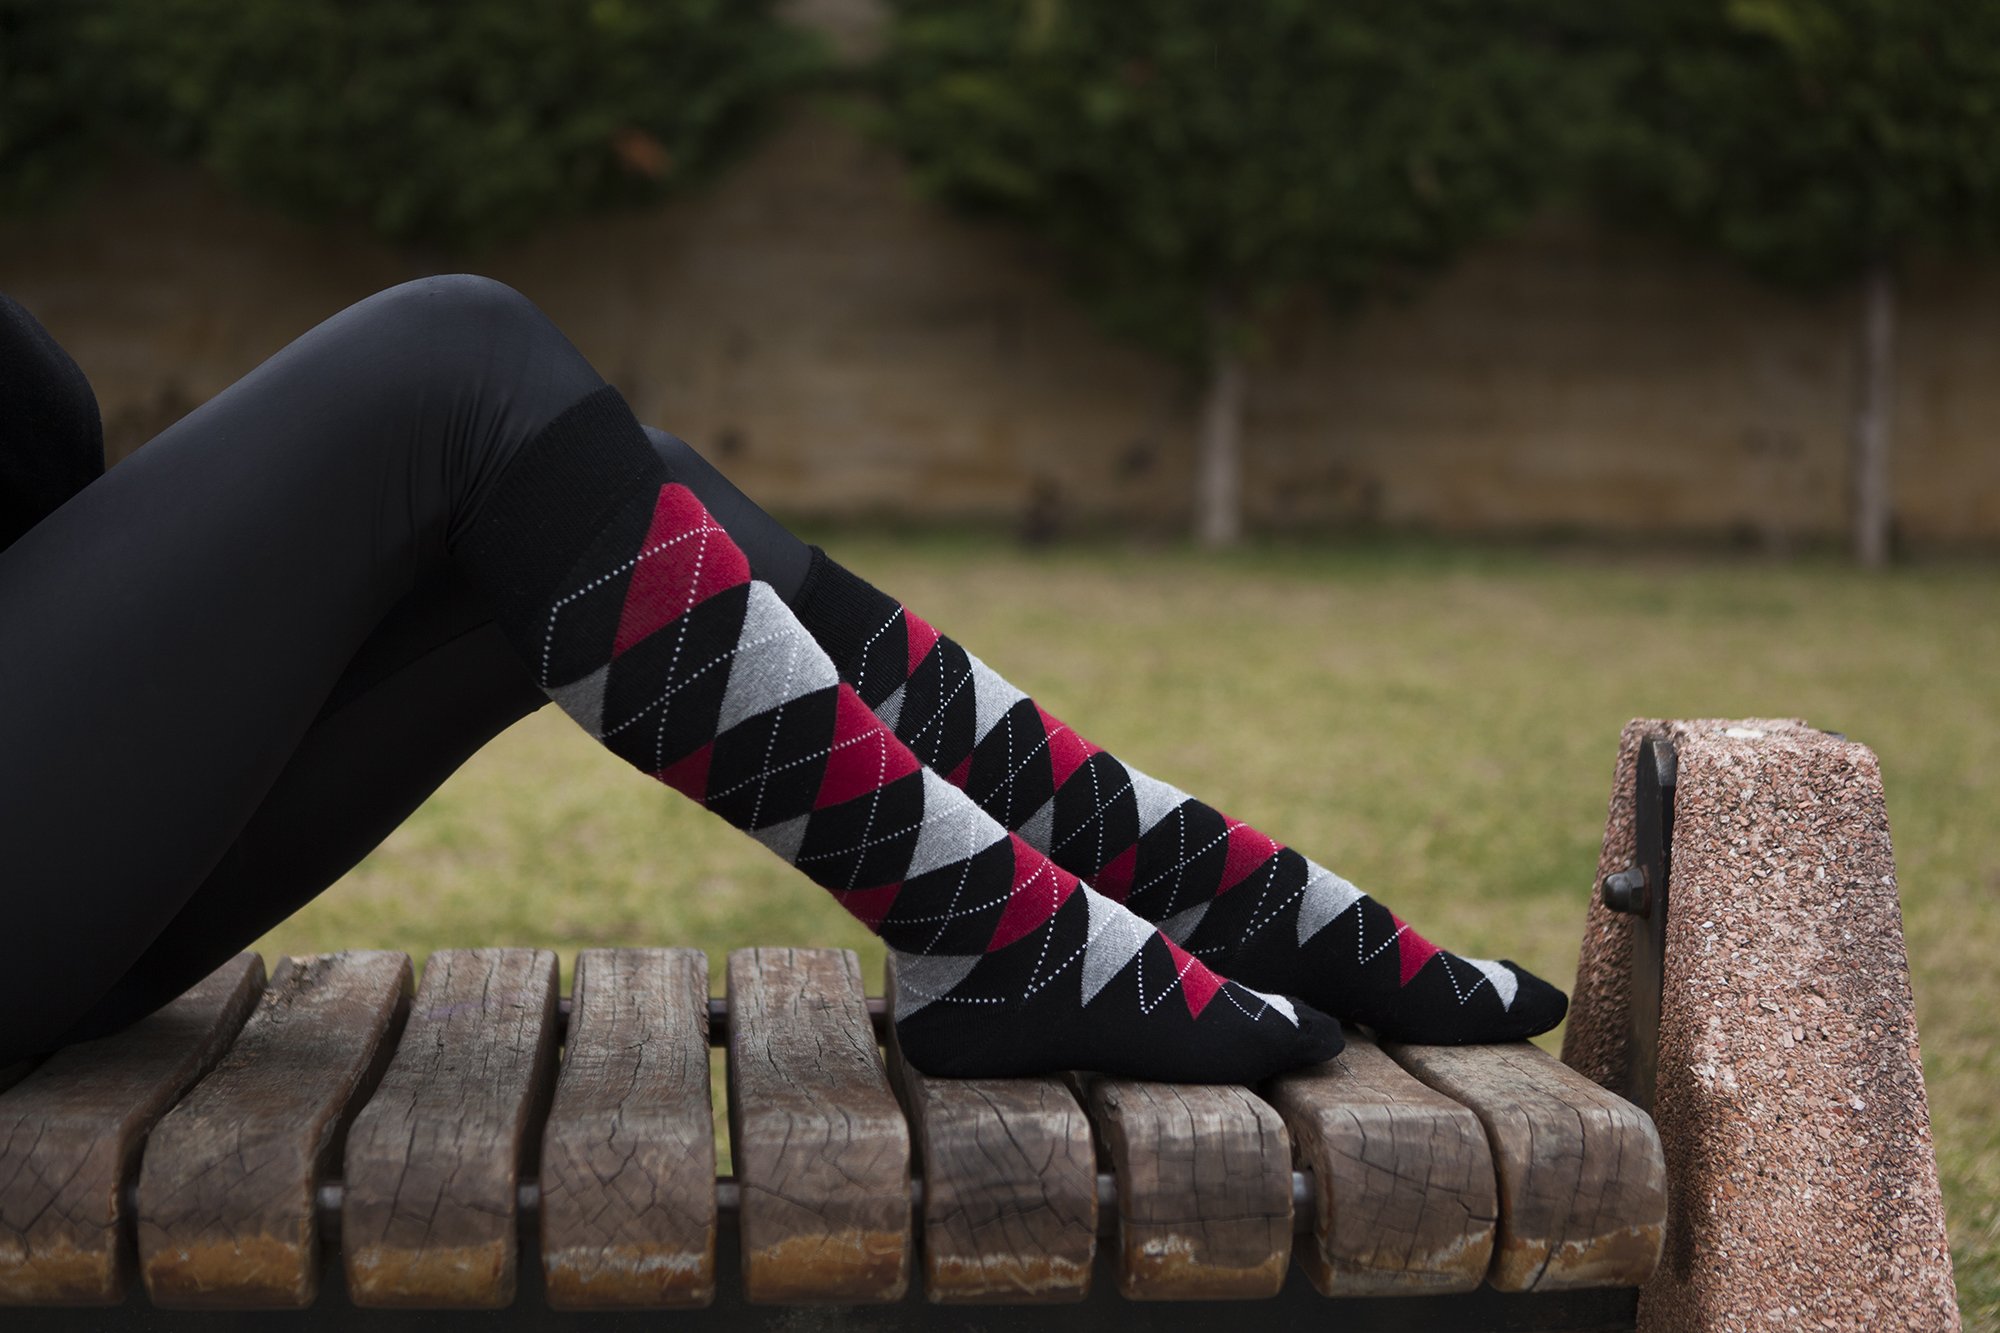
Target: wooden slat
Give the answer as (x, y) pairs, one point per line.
(228, 1215)
(1402, 1175)
(628, 1158)
(71, 1131)
(434, 1160)
(1010, 1185)
(1204, 1188)
(1582, 1182)
(822, 1152)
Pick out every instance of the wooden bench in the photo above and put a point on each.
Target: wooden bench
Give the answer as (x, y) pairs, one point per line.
(433, 1151)
(357, 1152)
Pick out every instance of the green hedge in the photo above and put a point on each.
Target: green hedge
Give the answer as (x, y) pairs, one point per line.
(1188, 155)
(1808, 139)
(446, 124)
(54, 115)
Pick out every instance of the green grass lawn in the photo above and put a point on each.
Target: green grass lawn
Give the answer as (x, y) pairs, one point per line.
(1437, 723)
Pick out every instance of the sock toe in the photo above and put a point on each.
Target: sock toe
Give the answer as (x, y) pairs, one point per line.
(1537, 1006)
(1320, 1037)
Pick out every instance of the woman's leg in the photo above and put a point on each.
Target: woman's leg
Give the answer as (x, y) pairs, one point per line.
(446, 423)
(1235, 897)
(433, 683)
(173, 632)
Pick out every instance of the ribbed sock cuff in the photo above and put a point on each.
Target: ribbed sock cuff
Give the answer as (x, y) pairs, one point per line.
(547, 506)
(840, 609)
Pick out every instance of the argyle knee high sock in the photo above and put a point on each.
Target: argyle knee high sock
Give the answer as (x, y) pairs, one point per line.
(642, 621)
(1234, 897)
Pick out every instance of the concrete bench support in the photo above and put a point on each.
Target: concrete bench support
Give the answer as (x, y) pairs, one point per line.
(1789, 1094)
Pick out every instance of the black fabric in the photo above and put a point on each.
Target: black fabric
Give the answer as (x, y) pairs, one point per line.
(554, 497)
(434, 683)
(51, 441)
(175, 633)
(239, 659)
(845, 613)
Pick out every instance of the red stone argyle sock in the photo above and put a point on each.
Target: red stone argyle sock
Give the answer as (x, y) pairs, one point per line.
(642, 621)
(1233, 896)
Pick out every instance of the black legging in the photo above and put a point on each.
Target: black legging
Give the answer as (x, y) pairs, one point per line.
(231, 665)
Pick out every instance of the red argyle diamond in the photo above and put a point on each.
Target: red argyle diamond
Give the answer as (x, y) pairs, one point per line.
(1248, 849)
(689, 776)
(686, 560)
(865, 755)
(1198, 984)
(921, 636)
(1412, 949)
(1067, 750)
(1040, 887)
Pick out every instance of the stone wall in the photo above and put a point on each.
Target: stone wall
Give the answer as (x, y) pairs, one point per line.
(843, 347)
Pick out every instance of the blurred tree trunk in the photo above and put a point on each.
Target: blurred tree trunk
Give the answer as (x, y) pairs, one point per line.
(1219, 473)
(1874, 408)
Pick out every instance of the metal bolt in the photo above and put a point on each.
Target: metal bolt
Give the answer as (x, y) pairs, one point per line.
(1627, 891)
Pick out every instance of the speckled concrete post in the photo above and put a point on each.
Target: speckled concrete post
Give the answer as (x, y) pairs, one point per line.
(1803, 1183)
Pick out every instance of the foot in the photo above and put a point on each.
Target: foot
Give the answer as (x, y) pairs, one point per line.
(1299, 928)
(1097, 988)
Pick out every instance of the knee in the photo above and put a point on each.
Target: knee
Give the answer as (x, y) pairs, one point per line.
(474, 336)
(452, 304)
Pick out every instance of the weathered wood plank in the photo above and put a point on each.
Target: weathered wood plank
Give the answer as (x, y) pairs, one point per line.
(227, 1208)
(1204, 1188)
(71, 1131)
(434, 1160)
(1010, 1185)
(822, 1151)
(1582, 1181)
(1402, 1175)
(628, 1157)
